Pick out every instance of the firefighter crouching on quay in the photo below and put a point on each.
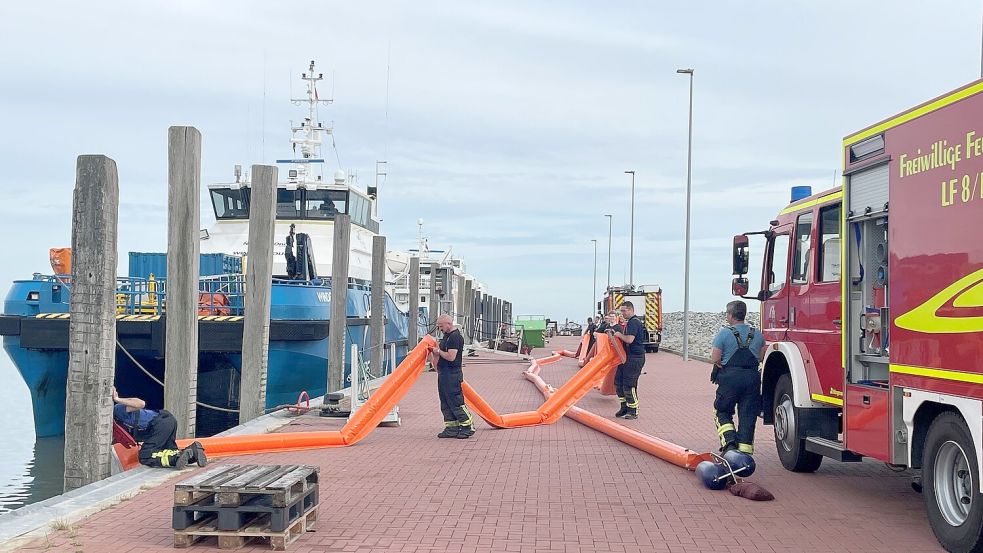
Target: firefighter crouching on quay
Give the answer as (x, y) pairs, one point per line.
(737, 351)
(157, 431)
(626, 377)
(447, 359)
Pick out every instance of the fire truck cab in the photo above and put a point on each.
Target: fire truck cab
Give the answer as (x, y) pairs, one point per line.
(872, 306)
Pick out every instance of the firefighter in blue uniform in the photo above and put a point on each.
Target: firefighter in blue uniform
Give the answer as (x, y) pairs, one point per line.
(447, 359)
(626, 377)
(737, 351)
(156, 432)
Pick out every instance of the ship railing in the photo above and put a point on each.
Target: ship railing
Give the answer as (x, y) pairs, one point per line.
(218, 295)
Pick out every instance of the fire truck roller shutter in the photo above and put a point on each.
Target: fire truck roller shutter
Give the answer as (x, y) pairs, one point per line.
(914, 400)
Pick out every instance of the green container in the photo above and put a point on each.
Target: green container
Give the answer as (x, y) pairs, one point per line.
(533, 327)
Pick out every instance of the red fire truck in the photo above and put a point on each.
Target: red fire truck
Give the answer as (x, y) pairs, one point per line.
(885, 360)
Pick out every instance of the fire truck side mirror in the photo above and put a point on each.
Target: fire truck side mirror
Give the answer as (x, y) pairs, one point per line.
(739, 286)
(741, 256)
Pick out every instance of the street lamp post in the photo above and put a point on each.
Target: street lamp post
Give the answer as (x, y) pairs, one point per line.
(593, 298)
(631, 234)
(609, 251)
(689, 182)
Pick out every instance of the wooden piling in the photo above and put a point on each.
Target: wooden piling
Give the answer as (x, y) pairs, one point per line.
(92, 328)
(338, 327)
(469, 310)
(413, 336)
(377, 328)
(433, 302)
(183, 227)
(459, 301)
(259, 285)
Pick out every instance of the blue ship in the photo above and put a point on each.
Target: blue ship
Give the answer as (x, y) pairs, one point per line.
(35, 319)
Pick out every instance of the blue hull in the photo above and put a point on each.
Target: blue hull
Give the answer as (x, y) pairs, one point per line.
(294, 365)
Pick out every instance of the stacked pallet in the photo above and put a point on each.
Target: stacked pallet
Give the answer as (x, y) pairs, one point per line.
(239, 503)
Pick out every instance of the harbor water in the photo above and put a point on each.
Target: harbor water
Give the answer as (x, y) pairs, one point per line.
(30, 468)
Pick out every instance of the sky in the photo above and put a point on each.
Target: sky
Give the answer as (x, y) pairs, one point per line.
(507, 126)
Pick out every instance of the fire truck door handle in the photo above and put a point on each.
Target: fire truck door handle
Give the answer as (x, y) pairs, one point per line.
(783, 320)
(837, 322)
(866, 400)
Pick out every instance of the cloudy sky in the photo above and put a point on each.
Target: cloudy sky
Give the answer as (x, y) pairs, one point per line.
(509, 128)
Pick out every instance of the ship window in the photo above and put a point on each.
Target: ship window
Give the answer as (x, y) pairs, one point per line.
(359, 210)
(353, 208)
(803, 249)
(829, 240)
(287, 204)
(366, 209)
(324, 204)
(229, 204)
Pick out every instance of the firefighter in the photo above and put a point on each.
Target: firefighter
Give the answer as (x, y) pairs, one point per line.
(156, 431)
(737, 351)
(626, 377)
(447, 358)
(591, 327)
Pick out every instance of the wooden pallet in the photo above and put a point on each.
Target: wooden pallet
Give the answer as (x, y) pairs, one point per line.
(233, 485)
(259, 528)
(234, 517)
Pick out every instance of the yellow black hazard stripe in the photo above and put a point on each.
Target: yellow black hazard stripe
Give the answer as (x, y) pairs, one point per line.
(652, 310)
(223, 318)
(618, 300)
(137, 317)
(210, 318)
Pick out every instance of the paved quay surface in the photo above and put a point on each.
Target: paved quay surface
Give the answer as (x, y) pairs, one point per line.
(562, 488)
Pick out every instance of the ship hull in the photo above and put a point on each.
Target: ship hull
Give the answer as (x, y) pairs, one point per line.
(36, 339)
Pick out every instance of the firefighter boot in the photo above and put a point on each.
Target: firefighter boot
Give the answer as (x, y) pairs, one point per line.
(198, 454)
(465, 432)
(451, 430)
(624, 408)
(186, 456)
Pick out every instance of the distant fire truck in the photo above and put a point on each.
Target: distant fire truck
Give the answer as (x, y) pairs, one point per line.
(647, 300)
(894, 372)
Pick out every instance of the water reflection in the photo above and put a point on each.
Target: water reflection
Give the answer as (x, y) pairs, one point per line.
(39, 476)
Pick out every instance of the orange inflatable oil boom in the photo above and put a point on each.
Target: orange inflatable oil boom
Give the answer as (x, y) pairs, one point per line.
(667, 451)
(359, 426)
(610, 354)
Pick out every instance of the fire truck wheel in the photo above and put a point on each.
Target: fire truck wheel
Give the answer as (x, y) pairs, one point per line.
(951, 490)
(788, 436)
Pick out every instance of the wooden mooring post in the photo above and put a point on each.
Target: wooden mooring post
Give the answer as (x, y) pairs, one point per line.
(459, 301)
(469, 310)
(181, 330)
(414, 284)
(377, 303)
(92, 328)
(259, 284)
(433, 302)
(338, 326)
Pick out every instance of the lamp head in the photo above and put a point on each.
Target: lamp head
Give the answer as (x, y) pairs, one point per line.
(686, 71)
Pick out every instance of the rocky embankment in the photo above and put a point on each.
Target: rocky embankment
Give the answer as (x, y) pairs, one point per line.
(702, 328)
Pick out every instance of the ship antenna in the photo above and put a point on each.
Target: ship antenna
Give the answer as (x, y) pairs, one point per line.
(307, 135)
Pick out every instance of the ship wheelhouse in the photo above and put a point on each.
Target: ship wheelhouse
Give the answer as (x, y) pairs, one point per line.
(231, 203)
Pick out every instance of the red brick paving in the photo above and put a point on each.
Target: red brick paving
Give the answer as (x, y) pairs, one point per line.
(563, 488)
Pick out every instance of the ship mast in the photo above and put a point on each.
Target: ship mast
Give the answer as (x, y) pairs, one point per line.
(307, 135)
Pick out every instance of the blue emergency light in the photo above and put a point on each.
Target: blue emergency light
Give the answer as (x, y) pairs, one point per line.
(799, 192)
